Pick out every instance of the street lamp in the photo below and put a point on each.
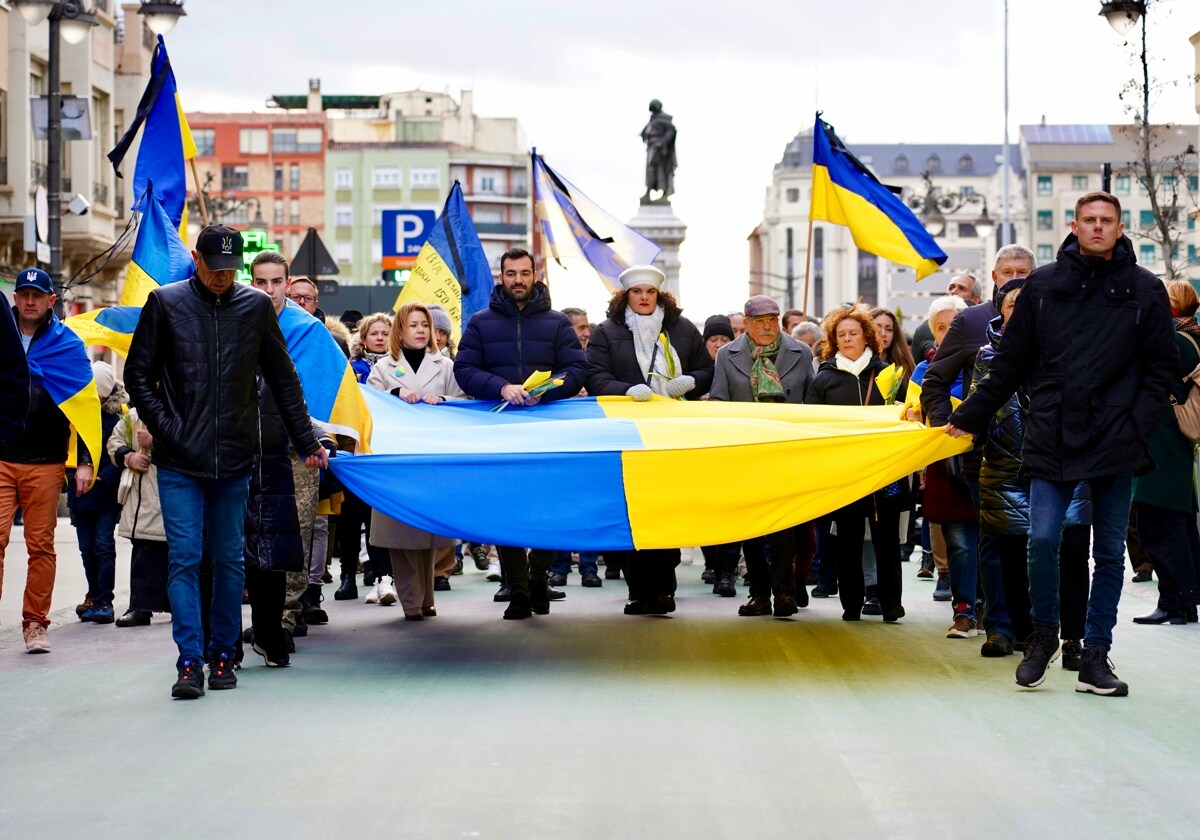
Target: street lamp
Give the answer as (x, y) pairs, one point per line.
(70, 21)
(789, 281)
(934, 206)
(219, 207)
(161, 15)
(1123, 15)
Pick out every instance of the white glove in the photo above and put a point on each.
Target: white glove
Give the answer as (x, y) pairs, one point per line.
(680, 385)
(641, 393)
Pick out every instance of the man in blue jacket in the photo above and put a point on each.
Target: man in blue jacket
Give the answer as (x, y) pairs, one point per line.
(517, 334)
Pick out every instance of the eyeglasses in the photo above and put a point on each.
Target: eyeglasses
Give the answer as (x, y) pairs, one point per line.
(764, 320)
(303, 298)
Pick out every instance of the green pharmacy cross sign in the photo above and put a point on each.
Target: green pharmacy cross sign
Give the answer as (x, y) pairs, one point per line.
(253, 241)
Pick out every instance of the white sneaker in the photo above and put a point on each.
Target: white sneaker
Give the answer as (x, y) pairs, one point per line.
(387, 592)
(493, 571)
(35, 639)
(373, 595)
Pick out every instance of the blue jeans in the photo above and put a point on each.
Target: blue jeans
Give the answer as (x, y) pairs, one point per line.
(588, 562)
(962, 553)
(1048, 503)
(96, 531)
(192, 509)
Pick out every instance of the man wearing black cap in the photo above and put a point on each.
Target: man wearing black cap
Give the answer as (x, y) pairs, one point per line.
(191, 373)
(32, 460)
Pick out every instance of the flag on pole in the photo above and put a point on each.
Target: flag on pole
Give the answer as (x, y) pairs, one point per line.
(159, 255)
(167, 142)
(573, 227)
(451, 270)
(846, 193)
(110, 326)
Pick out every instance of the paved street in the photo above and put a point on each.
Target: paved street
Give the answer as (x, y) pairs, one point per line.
(588, 723)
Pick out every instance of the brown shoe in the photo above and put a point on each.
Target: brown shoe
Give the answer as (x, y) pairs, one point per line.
(757, 605)
(785, 605)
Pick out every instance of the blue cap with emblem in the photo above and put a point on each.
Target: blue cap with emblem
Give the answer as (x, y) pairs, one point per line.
(34, 278)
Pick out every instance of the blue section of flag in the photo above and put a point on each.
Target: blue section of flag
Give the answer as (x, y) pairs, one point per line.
(455, 239)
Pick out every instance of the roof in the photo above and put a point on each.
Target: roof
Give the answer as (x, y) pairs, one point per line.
(337, 102)
(368, 146)
(907, 159)
(204, 119)
(1084, 135)
(1088, 146)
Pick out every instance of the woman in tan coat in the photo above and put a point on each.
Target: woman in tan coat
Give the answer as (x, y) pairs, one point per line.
(414, 371)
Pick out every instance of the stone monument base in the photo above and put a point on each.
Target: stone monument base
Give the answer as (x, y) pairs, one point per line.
(656, 221)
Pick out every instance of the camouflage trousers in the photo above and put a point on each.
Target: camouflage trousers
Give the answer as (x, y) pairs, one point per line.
(306, 481)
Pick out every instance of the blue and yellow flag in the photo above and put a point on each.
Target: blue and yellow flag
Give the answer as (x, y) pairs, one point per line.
(330, 387)
(59, 361)
(110, 327)
(167, 143)
(452, 269)
(572, 227)
(646, 465)
(159, 255)
(845, 192)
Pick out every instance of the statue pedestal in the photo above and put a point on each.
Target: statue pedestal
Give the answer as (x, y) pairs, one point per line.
(657, 222)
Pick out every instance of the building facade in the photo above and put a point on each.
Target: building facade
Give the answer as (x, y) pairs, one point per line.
(108, 70)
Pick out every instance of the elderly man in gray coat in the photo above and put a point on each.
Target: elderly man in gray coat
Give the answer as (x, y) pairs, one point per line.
(765, 365)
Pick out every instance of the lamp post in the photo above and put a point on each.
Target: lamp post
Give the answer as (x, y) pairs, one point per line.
(70, 21)
(934, 206)
(219, 207)
(789, 284)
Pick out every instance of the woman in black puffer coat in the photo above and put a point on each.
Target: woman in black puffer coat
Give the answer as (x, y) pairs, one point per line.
(847, 377)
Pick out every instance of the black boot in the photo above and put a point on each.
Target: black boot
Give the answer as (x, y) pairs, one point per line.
(313, 614)
(347, 591)
(539, 595)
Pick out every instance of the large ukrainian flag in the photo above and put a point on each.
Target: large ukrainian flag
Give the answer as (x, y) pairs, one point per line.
(330, 387)
(845, 192)
(451, 270)
(612, 473)
(110, 327)
(60, 362)
(159, 255)
(167, 143)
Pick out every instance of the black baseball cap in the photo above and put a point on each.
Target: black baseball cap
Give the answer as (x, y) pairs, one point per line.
(221, 248)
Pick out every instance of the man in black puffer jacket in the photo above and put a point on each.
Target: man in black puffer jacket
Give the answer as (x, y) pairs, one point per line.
(1091, 411)
(502, 345)
(191, 375)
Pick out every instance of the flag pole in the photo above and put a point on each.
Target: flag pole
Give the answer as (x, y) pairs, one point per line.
(535, 241)
(199, 193)
(807, 266)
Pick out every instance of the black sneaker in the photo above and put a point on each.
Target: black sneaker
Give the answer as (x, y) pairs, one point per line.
(708, 576)
(276, 660)
(725, 587)
(441, 583)
(557, 579)
(220, 673)
(997, 645)
(479, 555)
(1040, 651)
(824, 590)
(190, 683)
(1072, 655)
(1096, 675)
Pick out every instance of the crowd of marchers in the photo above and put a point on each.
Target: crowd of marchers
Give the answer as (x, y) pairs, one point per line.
(218, 477)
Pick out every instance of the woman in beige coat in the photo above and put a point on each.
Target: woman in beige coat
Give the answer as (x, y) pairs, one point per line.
(414, 371)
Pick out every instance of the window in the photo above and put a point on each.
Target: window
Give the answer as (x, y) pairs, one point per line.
(793, 195)
(1126, 218)
(1146, 253)
(1146, 219)
(294, 177)
(1122, 185)
(487, 184)
(1069, 216)
(934, 164)
(308, 140)
(279, 211)
(1193, 183)
(343, 252)
(901, 164)
(967, 230)
(235, 177)
(278, 177)
(966, 189)
(386, 177)
(1045, 220)
(1079, 182)
(1045, 253)
(1192, 258)
(1191, 223)
(283, 140)
(205, 142)
(425, 177)
(965, 164)
(1170, 182)
(1142, 187)
(343, 178)
(294, 215)
(1045, 185)
(343, 215)
(488, 215)
(252, 141)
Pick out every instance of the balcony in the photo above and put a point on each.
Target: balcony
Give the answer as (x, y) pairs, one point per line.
(500, 228)
(517, 195)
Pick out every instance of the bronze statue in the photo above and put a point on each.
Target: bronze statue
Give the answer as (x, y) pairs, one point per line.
(659, 137)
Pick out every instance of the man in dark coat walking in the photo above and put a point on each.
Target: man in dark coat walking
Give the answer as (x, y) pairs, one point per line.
(502, 345)
(1089, 417)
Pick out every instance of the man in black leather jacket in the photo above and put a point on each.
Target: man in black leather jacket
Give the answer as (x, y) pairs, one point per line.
(191, 375)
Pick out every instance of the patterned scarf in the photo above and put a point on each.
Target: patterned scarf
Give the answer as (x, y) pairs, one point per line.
(764, 378)
(1186, 325)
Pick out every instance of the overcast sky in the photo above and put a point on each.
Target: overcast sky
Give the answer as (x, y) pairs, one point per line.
(740, 82)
